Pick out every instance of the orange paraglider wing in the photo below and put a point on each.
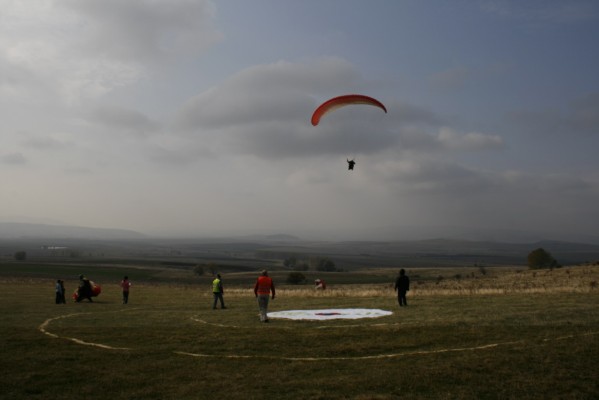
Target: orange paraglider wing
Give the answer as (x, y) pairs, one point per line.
(96, 289)
(342, 101)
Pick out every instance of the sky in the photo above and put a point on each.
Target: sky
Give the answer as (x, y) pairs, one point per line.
(192, 118)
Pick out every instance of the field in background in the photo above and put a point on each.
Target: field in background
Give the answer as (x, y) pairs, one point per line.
(468, 333)
(251, 255)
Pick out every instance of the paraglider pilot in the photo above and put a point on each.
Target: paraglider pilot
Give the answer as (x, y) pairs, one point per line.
(85, 289)
(350, 164)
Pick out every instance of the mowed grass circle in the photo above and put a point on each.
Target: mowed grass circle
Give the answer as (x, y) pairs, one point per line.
(221, 333)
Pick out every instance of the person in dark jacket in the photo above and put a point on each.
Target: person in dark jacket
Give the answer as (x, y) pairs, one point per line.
(60, 292)
(402, 286)
(85, 289)
(63, 292)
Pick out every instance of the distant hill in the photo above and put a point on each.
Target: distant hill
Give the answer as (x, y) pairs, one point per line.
(400, 233)
(15, 230)
(275, 238)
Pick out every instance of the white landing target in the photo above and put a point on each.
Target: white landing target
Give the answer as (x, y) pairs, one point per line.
(331, 313)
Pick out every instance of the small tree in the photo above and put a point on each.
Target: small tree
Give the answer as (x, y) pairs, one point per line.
(540, 258)
(20, 256)
(302, 266)
(325, 265)
(212, 267)
(290, 262)
(295, 278)
(199, 270)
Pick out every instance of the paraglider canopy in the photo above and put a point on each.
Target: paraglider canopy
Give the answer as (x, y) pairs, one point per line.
(342, 101)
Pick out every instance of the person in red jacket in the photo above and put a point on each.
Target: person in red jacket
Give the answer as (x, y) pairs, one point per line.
(263, 288)
(125, 285)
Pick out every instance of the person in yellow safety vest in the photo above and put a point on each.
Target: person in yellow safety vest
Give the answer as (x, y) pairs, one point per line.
(263, 288)
(218, 291)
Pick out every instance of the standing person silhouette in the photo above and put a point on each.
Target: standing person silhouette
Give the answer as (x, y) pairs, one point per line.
(217, 292)
(402, 286)
(263, 288)
(125, 285)
(84, 291)
(59, 292)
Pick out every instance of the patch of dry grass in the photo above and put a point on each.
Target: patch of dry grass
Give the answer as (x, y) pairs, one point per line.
(576, 279)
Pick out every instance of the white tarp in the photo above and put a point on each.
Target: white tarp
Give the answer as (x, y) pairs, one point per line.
(332, 313)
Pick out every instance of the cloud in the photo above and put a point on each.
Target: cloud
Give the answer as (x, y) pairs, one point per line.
(123, 119)
(13, 159)
(449, 192)
(585, 113)
(581, 117)
(270, 92)
(553, 12)
(265, 111)
(545, 184)
(44, 143)
(79, 171)
(83, 49)
(410, 114)
(12, 79)
(179, 156)
(426, 174)
(38, 41)
(450, 139)
(450, 80)
(446, 139)
(146, 30)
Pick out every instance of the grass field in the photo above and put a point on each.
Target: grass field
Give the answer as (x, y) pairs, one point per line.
(511, 334)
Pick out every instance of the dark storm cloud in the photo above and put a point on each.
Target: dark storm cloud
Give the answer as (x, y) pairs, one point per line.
(273, 92)
(265, 111)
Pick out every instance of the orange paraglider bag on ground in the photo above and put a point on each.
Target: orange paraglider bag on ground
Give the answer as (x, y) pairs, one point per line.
(96, 289)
